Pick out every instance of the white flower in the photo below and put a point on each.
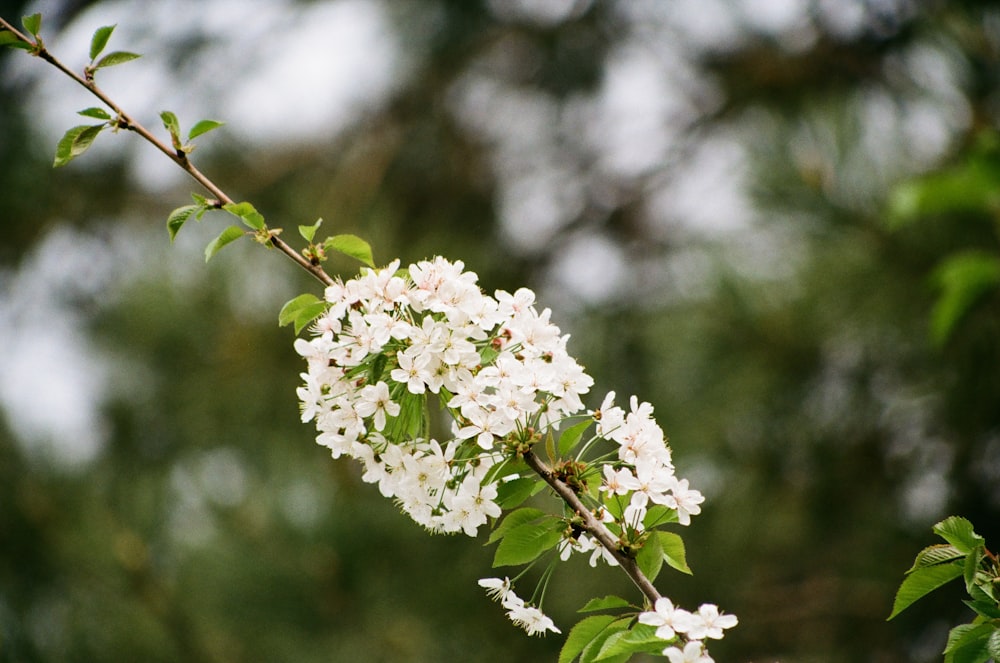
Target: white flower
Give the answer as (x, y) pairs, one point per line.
(496, 588)
(684, 500)
(375, 401)
(485, 425)
(668, 620)
(412, 371)
(708, 623)
(693, 652)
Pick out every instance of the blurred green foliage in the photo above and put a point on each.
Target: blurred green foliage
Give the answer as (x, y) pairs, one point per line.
(828, 375)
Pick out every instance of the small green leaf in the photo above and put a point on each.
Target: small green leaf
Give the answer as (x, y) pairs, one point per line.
(301, 311)
(10, 39)
(968, 643)
(512, 493)
(96, 113)
(100, 40)
(353, 246)
(921, 582)
(171, 124)
(203, 127)
(993, 644)
(593, 649)
(639, 639)
(673, 551)
(605, 603)
(571, 436)
(522, 544)
(114, 58)
(582, 634)
(513, 519)
(33, 24)
(178, 217)
(959, 532)
(292, 307)
(227, 236)
(308, 232)
(75, 142)
(940, 553)
(650, 558)
(987, 609)
(245, 211)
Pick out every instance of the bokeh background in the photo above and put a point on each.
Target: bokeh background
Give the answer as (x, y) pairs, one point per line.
(776, 220)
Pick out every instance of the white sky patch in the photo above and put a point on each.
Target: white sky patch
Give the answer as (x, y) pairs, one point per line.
(591, 267)
(53, 381)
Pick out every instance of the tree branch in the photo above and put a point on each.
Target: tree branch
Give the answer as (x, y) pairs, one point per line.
(593, 526)
(125, 121)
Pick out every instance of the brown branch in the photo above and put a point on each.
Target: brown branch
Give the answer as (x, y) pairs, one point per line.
(125, 121)
(594, 526)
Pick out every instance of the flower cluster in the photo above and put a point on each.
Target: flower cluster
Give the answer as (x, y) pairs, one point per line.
(390, 339)
(694, 628)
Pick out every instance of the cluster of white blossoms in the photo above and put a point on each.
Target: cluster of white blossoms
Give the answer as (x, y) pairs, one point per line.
(388, 338)
(500, 369)
(673, 623)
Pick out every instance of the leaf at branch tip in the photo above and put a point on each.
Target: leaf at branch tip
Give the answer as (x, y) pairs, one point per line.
(32, 24)
(96, 113)
(100, 40)
(115, 57)
(178, 217)
(227, 236)
(247, 213)
(959, 532)
(203, 127)
(10, 39)
(75, 142)
(921, 582)
(353, 246)
(608, 602)
(309, 232)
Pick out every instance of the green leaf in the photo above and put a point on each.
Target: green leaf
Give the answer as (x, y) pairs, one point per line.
(203, 127)
(971, 568)
(571, 436)
(605, 603)
(673, 551)
(301, 310)
(96, 113)
(114, 58)
(75, 142)
(964, 280)
(514, 519)
(512, 493)
(10, 39)
(522, 544)
(173, 127)
(959, 532)
(993, 644)
(33, 24)
(639, 639)
(245, 211)
(308, 232)
(582, 634)
(968, 643)
(987, 609)
(921, 582)
(227, 236)
(650, 558)
(593, 649)
(940, 553)
(178, 217)
(353, 246)
(100, 40)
